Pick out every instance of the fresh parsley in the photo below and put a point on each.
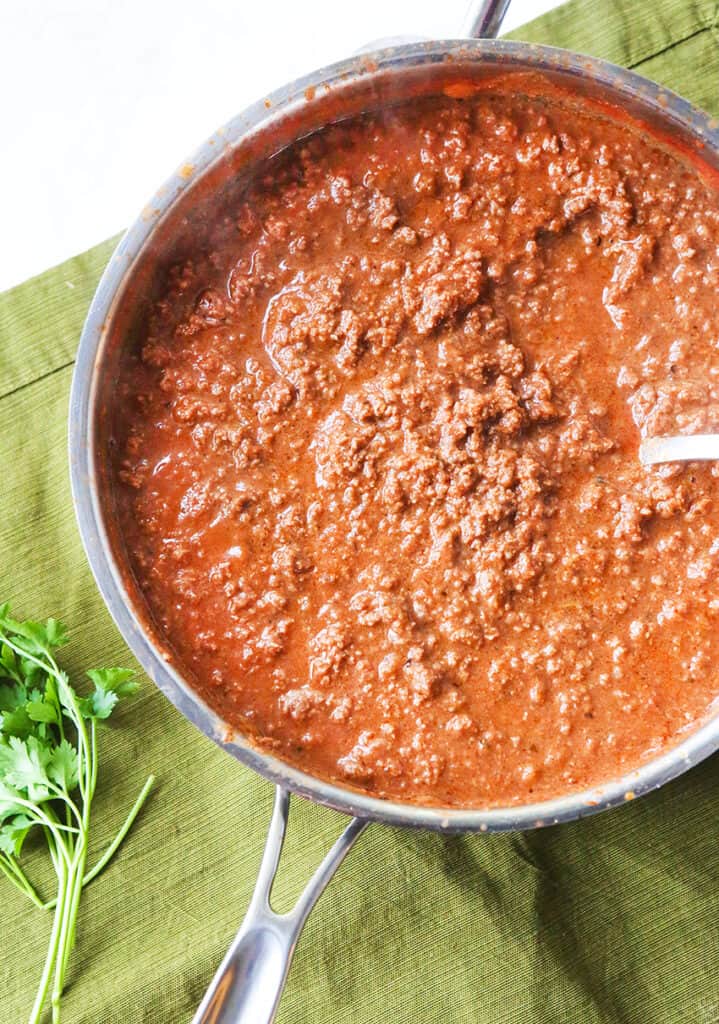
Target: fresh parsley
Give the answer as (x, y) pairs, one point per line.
(48, 776)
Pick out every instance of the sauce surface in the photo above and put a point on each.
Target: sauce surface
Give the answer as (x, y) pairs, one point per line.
(376, 459)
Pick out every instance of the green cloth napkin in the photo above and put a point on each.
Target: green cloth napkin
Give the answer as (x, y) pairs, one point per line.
(614, 920)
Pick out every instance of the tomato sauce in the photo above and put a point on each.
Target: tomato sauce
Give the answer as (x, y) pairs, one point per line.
(376, 454)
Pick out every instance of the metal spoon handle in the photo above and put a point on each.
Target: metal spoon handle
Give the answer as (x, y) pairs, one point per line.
(484, 19)
(681, 448)
(248, 984)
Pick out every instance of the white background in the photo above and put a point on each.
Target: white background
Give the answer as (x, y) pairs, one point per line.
(102, 99)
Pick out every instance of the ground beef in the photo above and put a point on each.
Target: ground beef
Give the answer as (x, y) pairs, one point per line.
(377, 464)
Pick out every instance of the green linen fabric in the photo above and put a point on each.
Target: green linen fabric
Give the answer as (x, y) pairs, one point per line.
(614, 920)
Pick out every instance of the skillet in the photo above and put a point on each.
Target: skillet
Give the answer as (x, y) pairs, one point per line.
(248, 984)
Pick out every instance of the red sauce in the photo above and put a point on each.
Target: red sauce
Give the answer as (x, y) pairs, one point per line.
(376, 455)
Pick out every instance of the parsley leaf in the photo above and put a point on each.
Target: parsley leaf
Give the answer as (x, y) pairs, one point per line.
(13, 833)
(9, 668)
(24, 764)
(41, 711)
(63, 768)
(114, 680)
(110, 685)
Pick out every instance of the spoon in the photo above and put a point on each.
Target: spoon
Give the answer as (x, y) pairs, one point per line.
(681, 448)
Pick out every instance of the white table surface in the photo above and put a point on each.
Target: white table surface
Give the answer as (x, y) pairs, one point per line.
(102, 99)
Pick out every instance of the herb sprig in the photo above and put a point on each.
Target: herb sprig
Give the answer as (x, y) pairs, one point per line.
(48, 776)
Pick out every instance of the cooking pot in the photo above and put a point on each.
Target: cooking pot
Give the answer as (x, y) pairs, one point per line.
(248, 984)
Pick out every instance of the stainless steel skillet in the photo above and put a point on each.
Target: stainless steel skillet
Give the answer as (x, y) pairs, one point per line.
(247, 987)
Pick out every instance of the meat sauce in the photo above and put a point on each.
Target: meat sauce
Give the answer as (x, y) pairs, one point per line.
(376, 456)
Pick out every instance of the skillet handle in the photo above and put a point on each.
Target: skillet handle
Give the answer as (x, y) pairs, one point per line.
(484, 19)
(249, 981)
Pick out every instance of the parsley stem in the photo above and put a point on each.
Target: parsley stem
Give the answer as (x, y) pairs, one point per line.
(69, 919)
(71, 806)
(15, 874)
(49, 839)
(78, 871)
(44, 985)
(127, 825)
(93, 753)
(46, 818)
(117, 841)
